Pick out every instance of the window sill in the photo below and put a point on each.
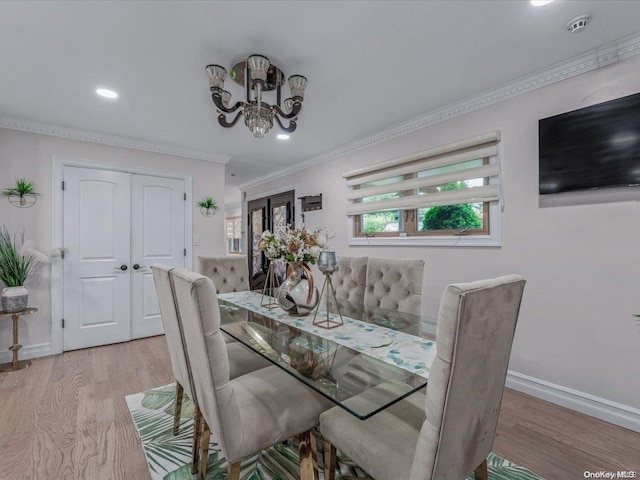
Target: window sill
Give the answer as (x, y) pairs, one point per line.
(440, 241)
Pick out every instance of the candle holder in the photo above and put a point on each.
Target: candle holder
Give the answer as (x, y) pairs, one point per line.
(327, 264)
(268, 300)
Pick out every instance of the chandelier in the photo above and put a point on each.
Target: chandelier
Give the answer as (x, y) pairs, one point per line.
(257, 75)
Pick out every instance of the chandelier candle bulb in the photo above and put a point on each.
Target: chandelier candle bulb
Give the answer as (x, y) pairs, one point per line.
(258, 75)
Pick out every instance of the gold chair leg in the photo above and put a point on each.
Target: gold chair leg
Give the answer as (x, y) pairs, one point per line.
(197, 426)
(308, 459)
(177, 408)
(329, 460)
(204, 449)
(234, 470)
(481, 472)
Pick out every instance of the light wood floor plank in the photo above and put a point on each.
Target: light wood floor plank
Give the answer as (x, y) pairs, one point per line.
(66, 417)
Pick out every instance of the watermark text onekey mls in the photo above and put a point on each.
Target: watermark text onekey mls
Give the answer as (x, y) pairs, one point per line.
(611, 475)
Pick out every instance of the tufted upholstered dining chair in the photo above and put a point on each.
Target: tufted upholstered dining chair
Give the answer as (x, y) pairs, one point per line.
(350, 278)
(394, 284)
(249, 413)
(391, 284)
(241, 359)
(447, 433)
(229, 273)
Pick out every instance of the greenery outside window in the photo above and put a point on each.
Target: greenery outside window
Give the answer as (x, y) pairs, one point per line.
(382, 223)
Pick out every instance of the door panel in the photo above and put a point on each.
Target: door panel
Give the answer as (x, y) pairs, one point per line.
(257, 227)
(281, 215)
(266, 213)
(100, 296)
(96, 241)
(157, 227)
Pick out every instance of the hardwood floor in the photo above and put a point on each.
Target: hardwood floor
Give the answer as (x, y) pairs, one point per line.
(65, 418)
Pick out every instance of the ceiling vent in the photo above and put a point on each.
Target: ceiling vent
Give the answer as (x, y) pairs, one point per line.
(578, 24)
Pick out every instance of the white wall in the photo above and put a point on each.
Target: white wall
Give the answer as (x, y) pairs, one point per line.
(30, 155)
(581, 263)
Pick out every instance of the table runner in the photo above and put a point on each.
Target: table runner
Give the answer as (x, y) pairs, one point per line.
(408, 352)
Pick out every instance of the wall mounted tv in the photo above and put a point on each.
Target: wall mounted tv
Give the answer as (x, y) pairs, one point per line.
(591, 148)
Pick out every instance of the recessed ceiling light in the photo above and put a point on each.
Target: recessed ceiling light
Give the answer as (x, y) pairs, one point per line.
(539, 3)
(103, 92)
(282, 136)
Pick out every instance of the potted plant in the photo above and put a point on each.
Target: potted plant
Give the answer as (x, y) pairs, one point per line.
(23, 194)
(208, 206)
(16, 264)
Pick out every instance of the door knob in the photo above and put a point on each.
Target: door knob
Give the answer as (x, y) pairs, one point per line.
(137, 267)
(123, 267)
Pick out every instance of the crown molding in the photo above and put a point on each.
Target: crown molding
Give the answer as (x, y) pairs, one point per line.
(607, 54)
(105, 139)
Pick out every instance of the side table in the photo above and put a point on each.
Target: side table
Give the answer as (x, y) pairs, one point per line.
(15, 363)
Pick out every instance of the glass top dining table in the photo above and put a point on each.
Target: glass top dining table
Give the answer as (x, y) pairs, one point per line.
(376, 358)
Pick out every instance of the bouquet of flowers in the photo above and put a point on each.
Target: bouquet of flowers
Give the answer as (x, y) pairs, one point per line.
(288, 244)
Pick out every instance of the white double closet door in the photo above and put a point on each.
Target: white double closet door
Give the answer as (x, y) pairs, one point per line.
(116, 225)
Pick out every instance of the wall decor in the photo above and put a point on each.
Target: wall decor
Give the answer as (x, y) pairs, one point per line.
(23, 194)
(311, 202)
(208, 207)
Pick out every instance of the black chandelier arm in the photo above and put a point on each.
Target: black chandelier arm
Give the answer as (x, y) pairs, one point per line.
(290, 129)
(222, 120)
(217, 100)
(295, 110)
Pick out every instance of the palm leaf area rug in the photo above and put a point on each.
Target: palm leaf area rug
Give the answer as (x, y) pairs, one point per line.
(169, 456)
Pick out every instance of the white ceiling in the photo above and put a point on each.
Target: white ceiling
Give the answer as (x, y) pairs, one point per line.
(370, 65)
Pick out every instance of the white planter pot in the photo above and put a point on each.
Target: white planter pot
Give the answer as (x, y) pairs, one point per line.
(14, 299)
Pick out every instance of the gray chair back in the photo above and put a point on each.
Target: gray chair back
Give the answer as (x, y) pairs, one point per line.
(350, 278)
(395, 284)
(172, 327)
(229, 273)
(476, 324)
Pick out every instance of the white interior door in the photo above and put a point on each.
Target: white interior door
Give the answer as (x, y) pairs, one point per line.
(157, 236)
(96, 231)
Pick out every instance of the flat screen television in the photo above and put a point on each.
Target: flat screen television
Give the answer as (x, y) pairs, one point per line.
(590, 148)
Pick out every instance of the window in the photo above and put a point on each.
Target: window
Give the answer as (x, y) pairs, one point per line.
(441, 194)
(234, 234)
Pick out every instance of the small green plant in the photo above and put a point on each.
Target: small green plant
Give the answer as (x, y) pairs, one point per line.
(16, 262)
(23, 187)
(208, 203)
(25, 190)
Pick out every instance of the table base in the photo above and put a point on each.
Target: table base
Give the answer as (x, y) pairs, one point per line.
(14, 367)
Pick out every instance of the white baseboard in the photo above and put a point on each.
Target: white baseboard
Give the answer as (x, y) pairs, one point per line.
(29, 351)
(601, 408)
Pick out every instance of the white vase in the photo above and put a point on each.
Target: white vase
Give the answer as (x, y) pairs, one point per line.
(14, 299)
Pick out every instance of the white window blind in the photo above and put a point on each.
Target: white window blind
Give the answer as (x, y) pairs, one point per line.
(415, 181)
(234, 228)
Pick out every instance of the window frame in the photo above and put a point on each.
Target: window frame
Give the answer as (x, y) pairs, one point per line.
(233, 240)
(411, 222)
(490, 235)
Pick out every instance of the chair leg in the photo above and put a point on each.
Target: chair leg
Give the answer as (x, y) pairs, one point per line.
(204, 449)
(234, 470)
(308, 459)
(481, 472)
(177, 408)
(197, 421)
(329, 460)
